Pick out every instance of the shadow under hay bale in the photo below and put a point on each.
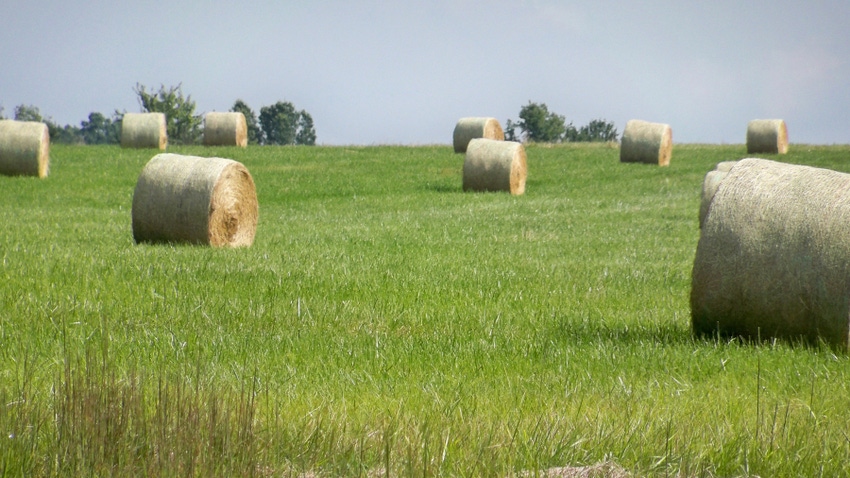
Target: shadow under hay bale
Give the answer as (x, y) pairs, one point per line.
(144, 130)
(645, 142)
(492, 165)
(767, 136)
(225, 129)
(24, 148)
(210, 201)
(773, 259)
(471, 128)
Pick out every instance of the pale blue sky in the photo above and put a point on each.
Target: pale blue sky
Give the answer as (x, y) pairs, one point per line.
(375, 72)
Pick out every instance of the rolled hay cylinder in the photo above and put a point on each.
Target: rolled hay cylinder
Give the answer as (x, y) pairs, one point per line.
(773, 259)
(24, 148)
(472, 128)
(645, 142)
(492, 165)
(209, 201)
(225, 129)
(144, 130)
(710, 185)
(767, 136)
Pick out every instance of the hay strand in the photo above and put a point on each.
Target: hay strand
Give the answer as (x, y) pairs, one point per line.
(209, 201)
(773, 259)
(492, 165)
(144, 130)
(225, 129)
(767, 136)
(24, 148)
(645, 142)
(474, 127)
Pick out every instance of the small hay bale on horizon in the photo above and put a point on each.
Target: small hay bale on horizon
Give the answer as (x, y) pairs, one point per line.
(144, 130)
(225, 129)
(209, 201)
(24, 148)
(645, 142)
(767, 136)
(773, 259)
(493, 165)
(471, 128)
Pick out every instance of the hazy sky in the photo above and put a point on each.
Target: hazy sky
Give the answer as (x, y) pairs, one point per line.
(377, 72)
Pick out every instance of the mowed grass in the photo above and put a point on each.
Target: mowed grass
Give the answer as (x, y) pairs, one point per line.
(386, 323)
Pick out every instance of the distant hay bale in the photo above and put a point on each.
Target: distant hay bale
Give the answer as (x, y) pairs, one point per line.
(209, 201)
(773, 259)
(471, 128)
(709, 186)
(144, 130)
(492, 165)
(767, 136)
(225, 129)
(645, 142)
(24, 148)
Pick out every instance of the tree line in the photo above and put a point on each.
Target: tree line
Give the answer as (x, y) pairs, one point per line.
(277, 124)
(538, 124)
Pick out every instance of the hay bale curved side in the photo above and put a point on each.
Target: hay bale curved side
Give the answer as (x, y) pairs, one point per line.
(492, 165)
(209, 201)
(767, 136)
(144, 130)
(710, 185)
(225, 129)
(24, 148)
(470, 128)
(645, 142)
(773, 258)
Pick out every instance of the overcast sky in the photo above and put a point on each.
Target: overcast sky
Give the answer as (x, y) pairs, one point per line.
(380, 72)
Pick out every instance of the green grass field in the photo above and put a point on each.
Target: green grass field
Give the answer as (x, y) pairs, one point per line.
(386, 321)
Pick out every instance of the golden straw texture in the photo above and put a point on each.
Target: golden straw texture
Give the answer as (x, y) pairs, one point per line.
(492, 165)
(197, 200)
(225, 129)
(773, 259)
(24, 148)
(645, 142)
(144, 130)
(767, 136)
(471, 128)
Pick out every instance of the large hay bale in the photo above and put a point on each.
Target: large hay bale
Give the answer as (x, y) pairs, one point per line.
(24, 148)
(645, 142)
(197, 200)
(773, 259)
(709, 187)
(767, 136)
(225, 129)
(492, 165)
(144, 130)
(467, 129)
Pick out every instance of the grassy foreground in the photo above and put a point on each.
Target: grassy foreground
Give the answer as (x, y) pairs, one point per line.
(386, 323)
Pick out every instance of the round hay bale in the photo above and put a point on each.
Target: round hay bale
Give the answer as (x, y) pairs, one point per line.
(225, 129)
(24, 148)
(144, 130)
(471, 128)
(709, 187)
(209, 201)
(773, 259)
(492, 165)
(767, 136)
(645, 142)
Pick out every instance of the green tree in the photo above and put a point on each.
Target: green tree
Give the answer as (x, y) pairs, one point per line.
(1, 113)
(283, 124)
(538, 124)
(58, 134)
(306, 132)
(596, 131)
(254, 133)
(182, 124)
(101, 130)
(510, 131)
(28, 113)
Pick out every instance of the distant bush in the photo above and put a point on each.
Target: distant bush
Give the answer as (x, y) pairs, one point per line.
(538, 124)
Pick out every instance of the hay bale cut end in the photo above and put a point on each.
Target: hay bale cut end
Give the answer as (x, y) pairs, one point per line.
(492, 165)
(471, 128)
(645, 142)
(144, 130)
(773, 258)
(210, 201)
(767, 136)
(24, 148)
(225, 129)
